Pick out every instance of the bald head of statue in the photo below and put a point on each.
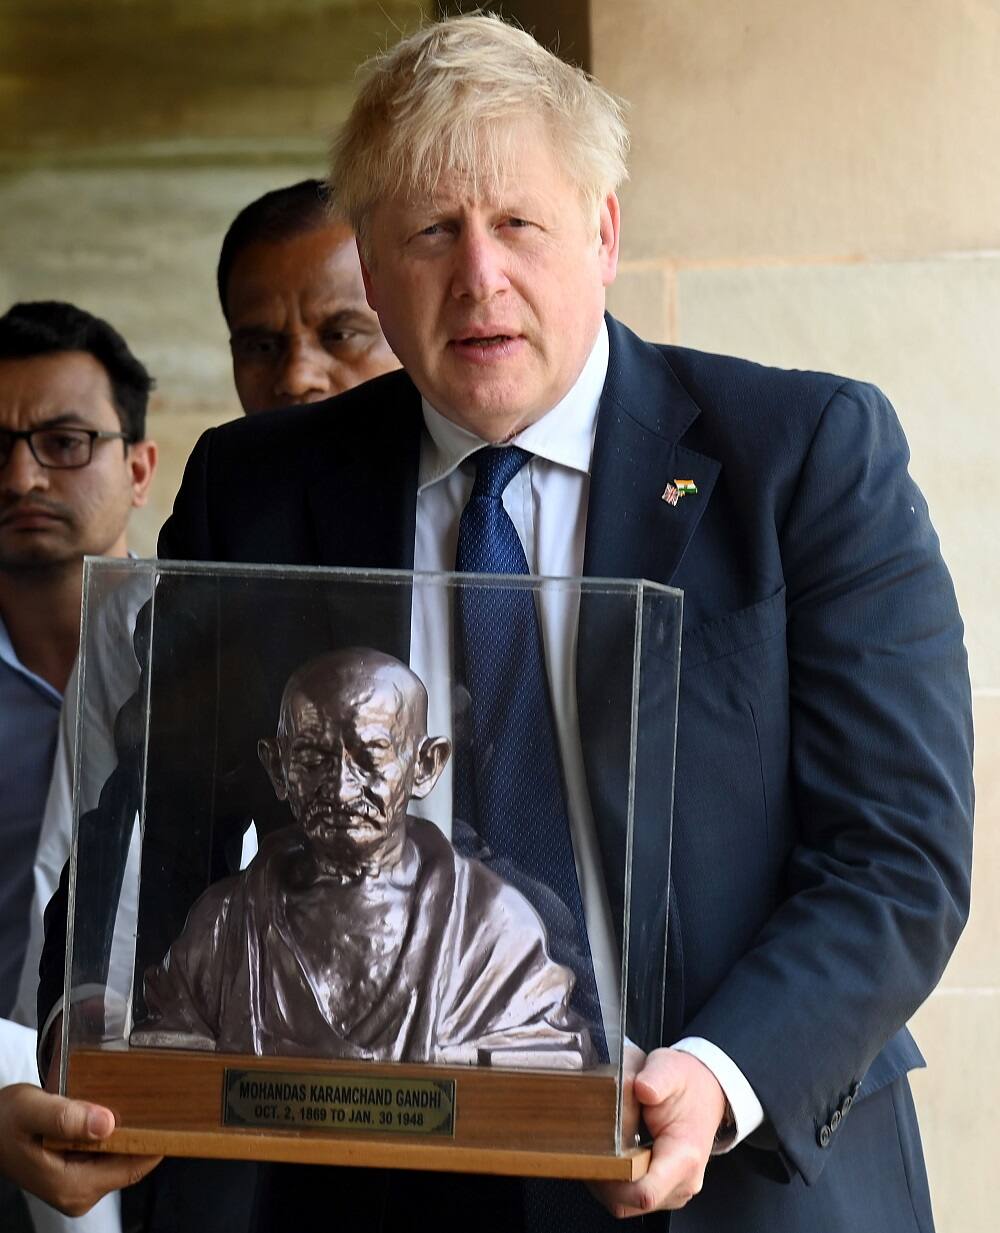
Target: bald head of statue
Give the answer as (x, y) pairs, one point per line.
(350, 752)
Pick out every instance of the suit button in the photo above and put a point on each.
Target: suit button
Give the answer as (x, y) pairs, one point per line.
(824, 1136)
(835, 1119)
(845, 1108)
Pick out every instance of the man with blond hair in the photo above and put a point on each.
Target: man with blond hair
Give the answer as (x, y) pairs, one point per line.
(822, 815)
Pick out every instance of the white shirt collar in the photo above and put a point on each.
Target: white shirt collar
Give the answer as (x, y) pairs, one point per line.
(564, 435)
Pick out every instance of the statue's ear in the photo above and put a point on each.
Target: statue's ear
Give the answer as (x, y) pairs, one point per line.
(270, 759)
(432, 754)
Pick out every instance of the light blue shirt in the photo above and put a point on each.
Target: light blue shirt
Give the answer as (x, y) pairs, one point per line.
(29, 722)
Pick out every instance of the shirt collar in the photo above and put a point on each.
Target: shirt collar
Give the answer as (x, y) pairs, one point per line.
(564, 435)
(7, 652)
(9, 657)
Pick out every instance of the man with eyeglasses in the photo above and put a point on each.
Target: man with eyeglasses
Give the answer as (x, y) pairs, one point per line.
(74, 463)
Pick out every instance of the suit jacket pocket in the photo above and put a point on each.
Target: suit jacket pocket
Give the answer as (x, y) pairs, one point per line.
(735, 631)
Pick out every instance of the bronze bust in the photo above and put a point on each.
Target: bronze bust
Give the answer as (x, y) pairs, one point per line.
(359, 932)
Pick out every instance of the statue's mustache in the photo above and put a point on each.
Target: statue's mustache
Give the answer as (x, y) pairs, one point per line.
(356, 807)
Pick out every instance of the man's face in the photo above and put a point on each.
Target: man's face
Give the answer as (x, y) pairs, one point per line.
(300, 329)
(492, 303)
(348, 760)
(51, 517)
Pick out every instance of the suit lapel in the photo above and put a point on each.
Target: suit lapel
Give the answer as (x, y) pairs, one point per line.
(363, 512)
(633, 532)
(363, 508)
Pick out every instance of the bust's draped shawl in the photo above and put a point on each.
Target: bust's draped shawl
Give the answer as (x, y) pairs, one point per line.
(470, 981)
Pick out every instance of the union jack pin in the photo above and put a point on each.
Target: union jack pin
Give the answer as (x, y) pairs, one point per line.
(679, 488)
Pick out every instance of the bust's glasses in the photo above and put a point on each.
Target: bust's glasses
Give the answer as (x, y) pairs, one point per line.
(61, 449)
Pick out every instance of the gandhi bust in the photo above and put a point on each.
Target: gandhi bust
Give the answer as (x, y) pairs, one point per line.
(358, 931)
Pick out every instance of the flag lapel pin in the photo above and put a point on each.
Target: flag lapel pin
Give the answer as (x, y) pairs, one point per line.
(678, 488)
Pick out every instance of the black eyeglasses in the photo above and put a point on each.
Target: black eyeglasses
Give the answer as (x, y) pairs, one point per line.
(62, 449)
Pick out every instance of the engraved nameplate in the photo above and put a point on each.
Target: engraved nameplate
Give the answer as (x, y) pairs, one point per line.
(298, 1100)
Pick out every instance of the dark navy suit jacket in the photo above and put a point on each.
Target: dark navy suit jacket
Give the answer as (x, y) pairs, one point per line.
(823, 802)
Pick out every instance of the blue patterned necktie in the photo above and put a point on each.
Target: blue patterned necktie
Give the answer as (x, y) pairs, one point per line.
(509, 783)
(509, 777)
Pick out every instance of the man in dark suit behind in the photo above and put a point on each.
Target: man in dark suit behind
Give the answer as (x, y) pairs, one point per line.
(822, 822)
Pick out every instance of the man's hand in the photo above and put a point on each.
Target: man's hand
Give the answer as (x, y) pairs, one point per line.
(69, 1181)
(683, 1106)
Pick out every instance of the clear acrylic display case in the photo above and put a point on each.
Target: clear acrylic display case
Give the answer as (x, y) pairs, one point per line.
(234, 990)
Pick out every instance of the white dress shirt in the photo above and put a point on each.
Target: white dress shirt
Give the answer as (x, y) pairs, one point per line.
(547, 503)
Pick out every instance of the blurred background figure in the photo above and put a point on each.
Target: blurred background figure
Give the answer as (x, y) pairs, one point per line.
(300, 329)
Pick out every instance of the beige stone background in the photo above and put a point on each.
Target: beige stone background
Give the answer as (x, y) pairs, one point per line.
(813, 185)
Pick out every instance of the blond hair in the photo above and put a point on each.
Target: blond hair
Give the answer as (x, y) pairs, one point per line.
(443, 100)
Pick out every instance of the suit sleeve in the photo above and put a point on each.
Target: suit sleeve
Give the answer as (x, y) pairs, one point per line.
(880, 771)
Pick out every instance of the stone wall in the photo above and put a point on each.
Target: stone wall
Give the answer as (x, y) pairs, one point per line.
(131, 132)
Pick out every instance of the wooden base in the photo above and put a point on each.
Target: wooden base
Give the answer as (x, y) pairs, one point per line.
(520, 1123)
